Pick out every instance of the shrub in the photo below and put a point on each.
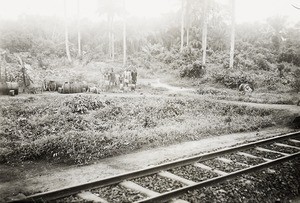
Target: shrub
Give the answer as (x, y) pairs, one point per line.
(296, 83)
(169, 57)
(232, 79)
(62, 133)
(196, 70)
(79, 104)
(261, 62)
(291, 55)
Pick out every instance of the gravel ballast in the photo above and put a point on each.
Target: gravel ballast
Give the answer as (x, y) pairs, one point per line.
(222, 166)
(157, 183)
(263, 154)
(193, 173)
(117, 193)
(243, 159)
(288, 142)
(287, 150)
(281, 183)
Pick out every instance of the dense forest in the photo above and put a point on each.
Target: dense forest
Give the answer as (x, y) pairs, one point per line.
(266, 54)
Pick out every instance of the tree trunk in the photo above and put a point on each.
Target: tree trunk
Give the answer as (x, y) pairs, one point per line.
(187, 36)
(204, 33)
(124, 35)
(109, 37)
(188, 6)
(112, 40)
(5, 74)
(182, 25)
(23, 71)
(232, 34)
(67, 33)
(78, 28)
(124, 44)
(111, 51)
(0, 75)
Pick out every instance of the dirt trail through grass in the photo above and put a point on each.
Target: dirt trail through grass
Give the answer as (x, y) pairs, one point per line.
(192, 92)
(292, 108)
(158, 84)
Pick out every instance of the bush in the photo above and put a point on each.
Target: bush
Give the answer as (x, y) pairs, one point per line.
(261, 62)
(185, 59)
(169, 57)
(47, 129)
(81, 105)
(296, 83)
(291, 55)
(232, 79)
(197, 70)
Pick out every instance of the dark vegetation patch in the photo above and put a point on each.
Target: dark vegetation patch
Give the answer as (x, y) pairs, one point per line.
(84, 128)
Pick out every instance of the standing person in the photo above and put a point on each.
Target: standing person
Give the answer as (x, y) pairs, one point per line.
(121, 82)
(106, 80)
(127, 78)
(112, 77)
(134, 77)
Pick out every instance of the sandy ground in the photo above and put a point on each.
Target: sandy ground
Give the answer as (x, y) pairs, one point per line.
(32, 178)
(158, 84)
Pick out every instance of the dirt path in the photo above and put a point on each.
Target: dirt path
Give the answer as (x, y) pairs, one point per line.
(39, 177)
(292, 108)
(191, 92)
(158, 84)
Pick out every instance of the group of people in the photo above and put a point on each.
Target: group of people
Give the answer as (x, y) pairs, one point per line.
(126, 80)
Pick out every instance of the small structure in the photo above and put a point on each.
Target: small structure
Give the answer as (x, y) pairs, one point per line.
(12, 92)
(6, 88)
(245, 87)
(73, 87)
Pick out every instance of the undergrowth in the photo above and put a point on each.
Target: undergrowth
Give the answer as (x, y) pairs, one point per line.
(81, 129)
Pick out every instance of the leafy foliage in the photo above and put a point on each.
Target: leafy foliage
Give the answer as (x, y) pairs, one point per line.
(290, 55)
(81, 105)
(296, 83)
(233, 79)
(195, 70)
(64, 131)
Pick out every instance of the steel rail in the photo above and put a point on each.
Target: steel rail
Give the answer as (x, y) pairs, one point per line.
(68, 191)
(164, 197)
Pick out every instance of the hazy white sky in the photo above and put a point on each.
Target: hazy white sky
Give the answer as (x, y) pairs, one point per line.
(246, 10)
(257, 10)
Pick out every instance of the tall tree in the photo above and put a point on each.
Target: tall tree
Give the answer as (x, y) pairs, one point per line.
(232, 40)
(112, 38)
(111, 8)
(67, 33)
(204, 31)
(188, 20)
(182, 26)
(78, 28)
(124, 34)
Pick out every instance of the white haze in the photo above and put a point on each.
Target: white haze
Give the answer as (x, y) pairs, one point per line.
(246, 10)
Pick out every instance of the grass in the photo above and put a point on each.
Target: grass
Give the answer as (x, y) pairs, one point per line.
(254, 97)
(83, 128)
(277, 93)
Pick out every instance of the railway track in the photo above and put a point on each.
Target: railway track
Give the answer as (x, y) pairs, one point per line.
(167, 182)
